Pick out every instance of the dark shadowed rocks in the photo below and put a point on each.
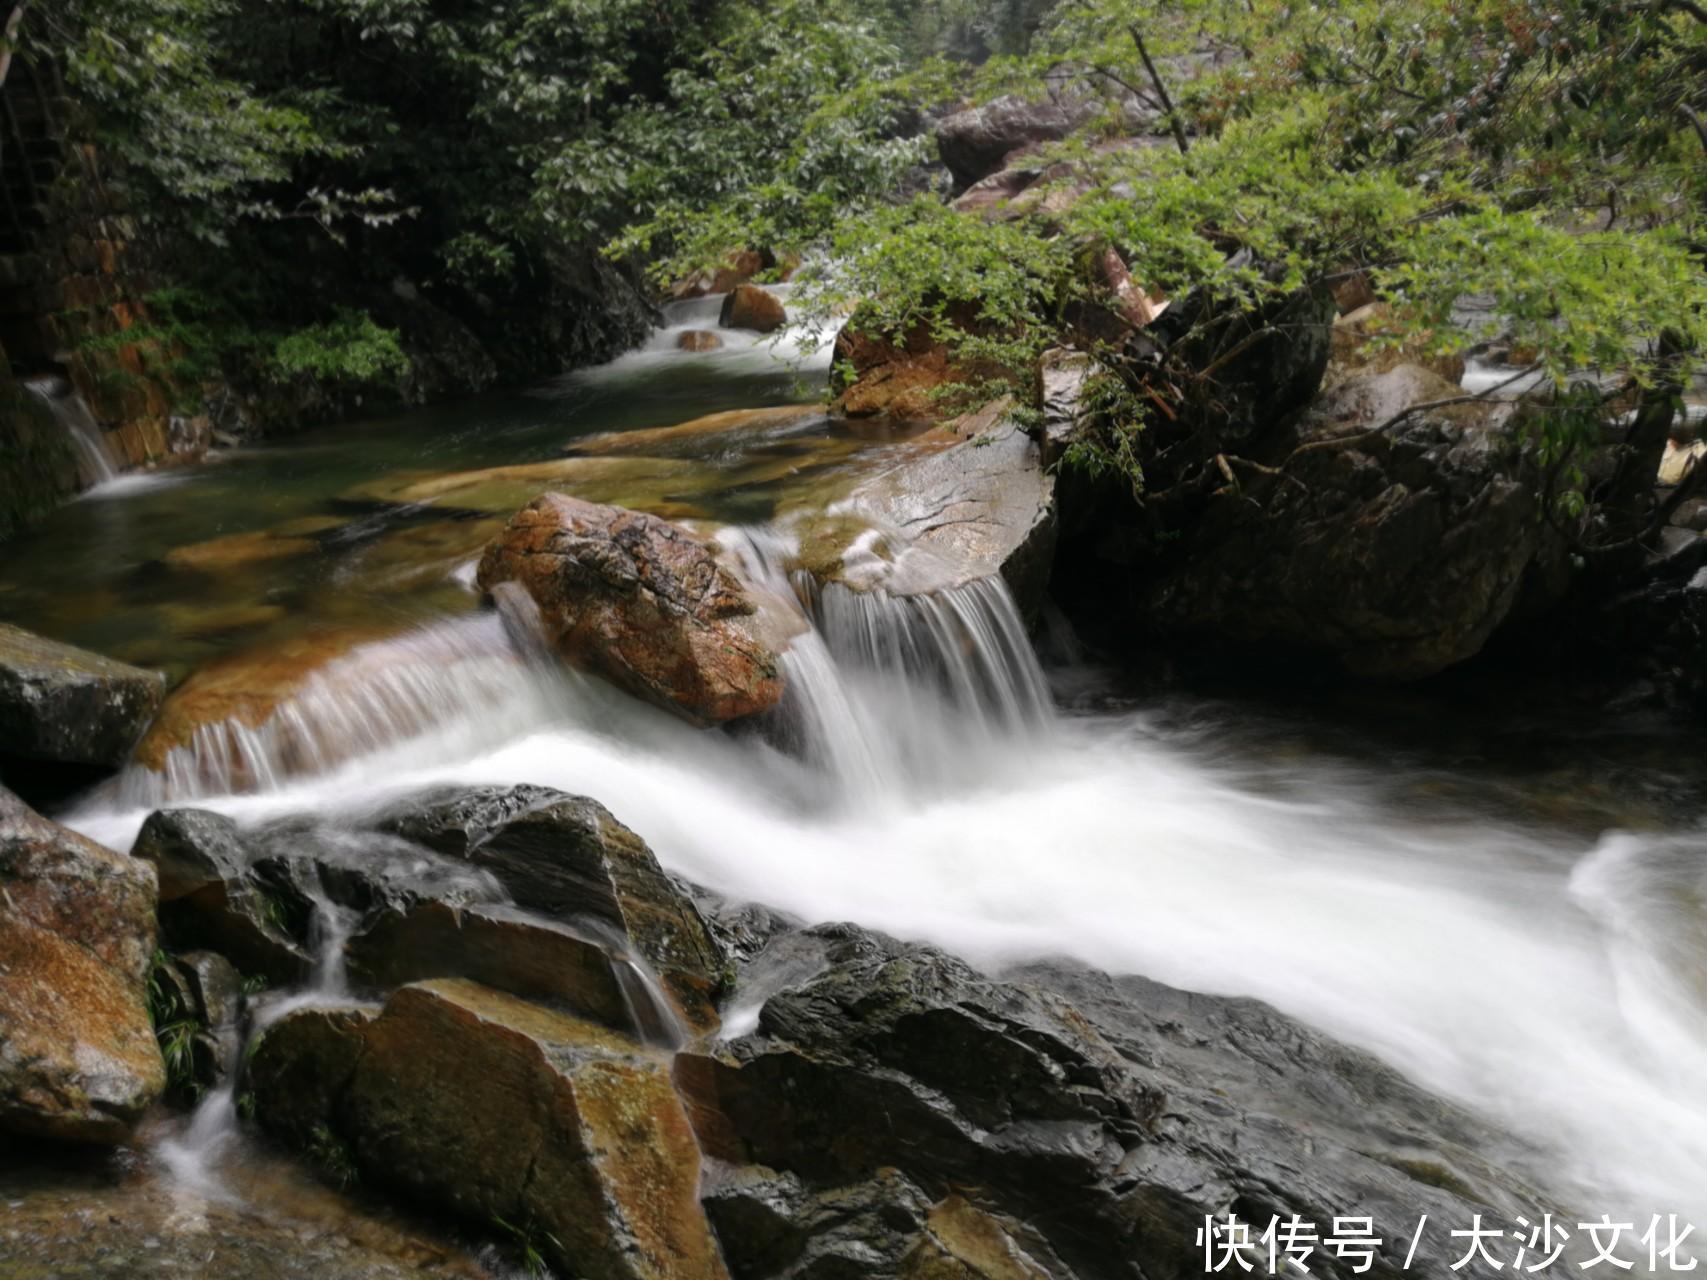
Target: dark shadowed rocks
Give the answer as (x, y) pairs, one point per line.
(66, 705)
(1390, 546)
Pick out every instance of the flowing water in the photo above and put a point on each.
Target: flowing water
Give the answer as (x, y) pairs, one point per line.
(1511, 914)
(96, 465)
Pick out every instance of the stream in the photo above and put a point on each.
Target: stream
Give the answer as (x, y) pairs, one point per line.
(1509, 912)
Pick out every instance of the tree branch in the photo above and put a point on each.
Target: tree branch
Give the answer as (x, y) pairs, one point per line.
(1174, 122)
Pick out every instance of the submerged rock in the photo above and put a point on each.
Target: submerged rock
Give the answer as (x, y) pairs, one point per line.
(641, 602)
(699, 340)
(747, 306)
(502, 1111)
(63, 704)
(78, 1059)
(1392, 548)
(731, 426)
(1063, 1123)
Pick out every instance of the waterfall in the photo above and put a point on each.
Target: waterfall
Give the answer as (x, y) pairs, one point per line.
(96, 463)
(462, 678)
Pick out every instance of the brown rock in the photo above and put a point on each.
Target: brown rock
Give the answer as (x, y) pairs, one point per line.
(699, 340)
(732, 425)
(641, 602)
(500, 1109)
(78, 1058)
(749, 307)
(896, 376)
(238, 551)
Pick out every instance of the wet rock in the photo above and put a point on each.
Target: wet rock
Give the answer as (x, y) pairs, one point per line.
(699, 340)
(210, 898)
(67, 705)
(977, 505)
(976, 142)
(569, 857)
(642, 603)
(747, 306)
(886, 1228)
(774, 1224)
(732, 426)
(1090, 1122)
(502, 1110)
(78, 1059)
(243, 689)
(500, 948)
(1391, 549)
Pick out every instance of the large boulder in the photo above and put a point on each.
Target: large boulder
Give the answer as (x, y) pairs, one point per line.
(1066, 1123)
(66, 705)
(502, 1111)
(975, 142)
(524, 889)
(973, 501)
(641, 602)
(78, 1059)
(1391, 546)
(747, 306)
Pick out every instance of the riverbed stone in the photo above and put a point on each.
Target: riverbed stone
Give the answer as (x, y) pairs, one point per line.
(1092, 1122)
(641, 602)
(569, 857)
(748, 306)
(699, 340)
(730, 426)
(500, 1109)
(67, 705)
(211, 898)
(78, 1060)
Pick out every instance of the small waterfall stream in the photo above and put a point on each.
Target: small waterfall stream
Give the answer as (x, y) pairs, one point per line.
(95, 461)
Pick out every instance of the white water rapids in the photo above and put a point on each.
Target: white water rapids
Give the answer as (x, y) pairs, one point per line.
(1538, 984)
(924, 785)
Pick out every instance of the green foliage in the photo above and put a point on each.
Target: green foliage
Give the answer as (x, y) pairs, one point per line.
(529, 1244)
(175, 1026)
(350, 350)
(332, 1156)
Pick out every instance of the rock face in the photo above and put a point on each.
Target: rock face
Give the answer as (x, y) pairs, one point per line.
(977, 505)
(67, 705)
(899, 1111)
(78, 1059)
(502, 1110)
(524, 889)
(974, 143)
(641, 602)
(1393, 552)
(895, 377)
(747, 306)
